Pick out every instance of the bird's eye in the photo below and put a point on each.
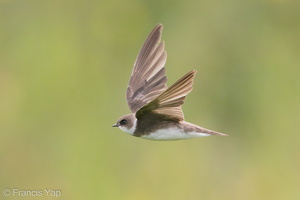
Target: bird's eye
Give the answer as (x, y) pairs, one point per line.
(123, 121)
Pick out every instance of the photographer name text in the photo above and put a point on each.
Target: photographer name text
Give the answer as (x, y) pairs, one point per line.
(17, 192)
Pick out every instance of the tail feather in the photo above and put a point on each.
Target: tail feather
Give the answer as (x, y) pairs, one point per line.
(195, 128)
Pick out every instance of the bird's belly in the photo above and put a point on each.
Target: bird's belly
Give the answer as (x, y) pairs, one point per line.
(172, 134)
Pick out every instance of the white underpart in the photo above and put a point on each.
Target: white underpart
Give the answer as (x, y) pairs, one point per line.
(130, 130)
(173, 134)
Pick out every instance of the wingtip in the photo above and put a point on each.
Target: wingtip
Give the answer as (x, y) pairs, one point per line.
(159, 27)
(193, 71)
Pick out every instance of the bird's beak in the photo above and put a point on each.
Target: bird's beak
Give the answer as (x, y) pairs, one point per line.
(115, 125)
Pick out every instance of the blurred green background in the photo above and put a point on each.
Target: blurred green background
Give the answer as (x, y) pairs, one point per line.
(64, 69)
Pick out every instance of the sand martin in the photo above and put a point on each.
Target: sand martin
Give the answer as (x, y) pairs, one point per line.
(156, 109)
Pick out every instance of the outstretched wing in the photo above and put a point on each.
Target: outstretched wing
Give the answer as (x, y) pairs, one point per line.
(169, 102)
(148, 78)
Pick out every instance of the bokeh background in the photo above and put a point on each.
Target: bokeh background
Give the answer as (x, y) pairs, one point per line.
(64, 69)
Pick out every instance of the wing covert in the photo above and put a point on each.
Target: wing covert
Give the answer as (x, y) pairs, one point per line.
(169, 102)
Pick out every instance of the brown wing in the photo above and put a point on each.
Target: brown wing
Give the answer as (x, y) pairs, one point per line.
(169, 102)
(148, 78)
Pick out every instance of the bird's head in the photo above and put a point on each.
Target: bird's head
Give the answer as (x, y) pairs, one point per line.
(127, 123)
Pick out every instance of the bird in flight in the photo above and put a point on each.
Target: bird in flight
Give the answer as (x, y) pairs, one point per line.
(156, 109)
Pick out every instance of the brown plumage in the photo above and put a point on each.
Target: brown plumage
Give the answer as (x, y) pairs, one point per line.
(156, 109)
